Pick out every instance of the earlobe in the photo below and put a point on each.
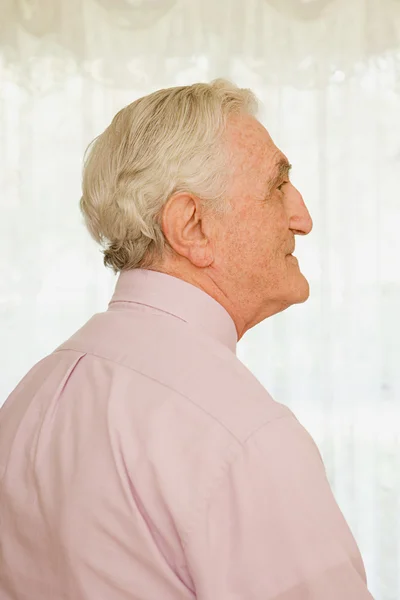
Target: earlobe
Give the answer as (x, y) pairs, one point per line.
(200, 254)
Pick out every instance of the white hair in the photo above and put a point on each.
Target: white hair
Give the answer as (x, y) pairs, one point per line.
(167, 142)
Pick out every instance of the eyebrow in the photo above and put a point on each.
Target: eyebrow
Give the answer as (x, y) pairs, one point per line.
(282, 169)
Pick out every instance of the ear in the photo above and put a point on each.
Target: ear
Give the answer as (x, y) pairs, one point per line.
(183, 226)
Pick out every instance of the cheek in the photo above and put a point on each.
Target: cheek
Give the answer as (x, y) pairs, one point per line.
(253, 239)
(237, 244)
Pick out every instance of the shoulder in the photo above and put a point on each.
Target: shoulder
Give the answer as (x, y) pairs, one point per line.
(167, 357)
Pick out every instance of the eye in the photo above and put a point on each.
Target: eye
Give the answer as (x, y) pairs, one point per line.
(281, 186)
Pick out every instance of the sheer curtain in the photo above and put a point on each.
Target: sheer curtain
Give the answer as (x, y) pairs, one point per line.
(328, 74)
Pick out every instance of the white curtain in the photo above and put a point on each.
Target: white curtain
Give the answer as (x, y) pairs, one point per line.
(328, 75)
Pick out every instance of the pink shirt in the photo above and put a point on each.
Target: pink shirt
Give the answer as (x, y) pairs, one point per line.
(143, 461)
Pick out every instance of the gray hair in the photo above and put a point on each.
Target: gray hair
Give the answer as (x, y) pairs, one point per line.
(168, 142)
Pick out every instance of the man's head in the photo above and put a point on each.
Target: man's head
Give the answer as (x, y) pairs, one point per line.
(188, 182)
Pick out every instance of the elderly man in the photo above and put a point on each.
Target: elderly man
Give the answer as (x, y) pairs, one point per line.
(141, 459)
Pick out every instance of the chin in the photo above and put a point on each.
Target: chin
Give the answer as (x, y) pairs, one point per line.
(302, 291)
(295, 292)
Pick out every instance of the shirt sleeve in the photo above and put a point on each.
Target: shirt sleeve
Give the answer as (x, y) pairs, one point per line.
(271, 528)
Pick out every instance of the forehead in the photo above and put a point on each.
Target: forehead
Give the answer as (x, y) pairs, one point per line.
(251, 145)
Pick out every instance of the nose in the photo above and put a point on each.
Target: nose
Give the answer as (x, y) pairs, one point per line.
(300, 219)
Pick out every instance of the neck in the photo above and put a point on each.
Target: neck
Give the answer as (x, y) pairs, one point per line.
(203, 279)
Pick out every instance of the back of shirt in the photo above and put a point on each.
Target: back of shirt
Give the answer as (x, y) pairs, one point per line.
(142, 460)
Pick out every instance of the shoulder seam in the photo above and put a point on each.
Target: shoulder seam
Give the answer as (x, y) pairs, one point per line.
(288, 414)
(242, 443)
(159, 383)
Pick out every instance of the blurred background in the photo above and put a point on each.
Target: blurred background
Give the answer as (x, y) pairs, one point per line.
(327, 73)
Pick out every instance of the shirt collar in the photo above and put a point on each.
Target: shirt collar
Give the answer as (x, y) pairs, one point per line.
(178, 298)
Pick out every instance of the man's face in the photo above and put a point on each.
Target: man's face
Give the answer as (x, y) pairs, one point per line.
(255, 240)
